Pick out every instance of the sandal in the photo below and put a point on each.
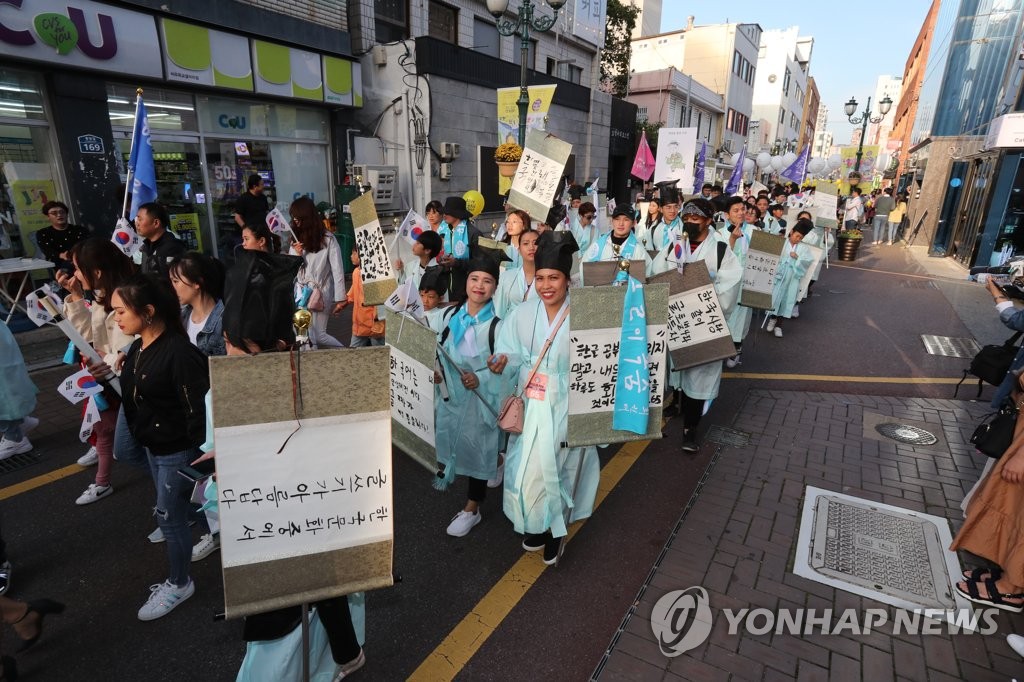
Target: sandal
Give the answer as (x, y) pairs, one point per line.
(994, 598)
(981, 573)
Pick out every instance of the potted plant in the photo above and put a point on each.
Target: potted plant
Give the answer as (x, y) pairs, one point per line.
(507, 157)
(848, 241)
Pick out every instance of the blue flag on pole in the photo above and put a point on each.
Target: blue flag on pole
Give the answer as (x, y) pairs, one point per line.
(798, 168)
(737, 174)
(698, 170)
(140, 163)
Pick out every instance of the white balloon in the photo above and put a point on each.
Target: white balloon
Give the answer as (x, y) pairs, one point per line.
(789, 158)
(816, 165)
(835, 161)
(764, 159)
(778, 163)
(882, 162)
(748, 165)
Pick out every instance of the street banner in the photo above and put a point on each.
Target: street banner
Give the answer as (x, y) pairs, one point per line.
(412, 388)
(697, 329)
(375, 269)
(595, 330)
(759, 272)
(676, 149)
(539, 173)
(508, 110)
(867, 165)
(805, 281)
(304, 480)
(643, 164)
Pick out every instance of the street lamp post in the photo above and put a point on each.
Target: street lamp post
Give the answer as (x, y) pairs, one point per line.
(523, 23)
(850, 108)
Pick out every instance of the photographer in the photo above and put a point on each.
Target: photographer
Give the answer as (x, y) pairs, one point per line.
(1013, 318)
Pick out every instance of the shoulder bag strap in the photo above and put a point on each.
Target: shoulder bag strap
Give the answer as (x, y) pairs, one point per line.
(544, 350)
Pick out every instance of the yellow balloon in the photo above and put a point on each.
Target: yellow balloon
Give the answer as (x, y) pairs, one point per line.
(474, 202)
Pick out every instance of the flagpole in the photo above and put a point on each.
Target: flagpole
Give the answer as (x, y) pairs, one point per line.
(128, 182)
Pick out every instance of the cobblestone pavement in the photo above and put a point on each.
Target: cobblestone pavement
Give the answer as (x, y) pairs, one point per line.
(738, 540)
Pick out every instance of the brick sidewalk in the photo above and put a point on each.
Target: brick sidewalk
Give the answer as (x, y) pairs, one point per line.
(739, 539)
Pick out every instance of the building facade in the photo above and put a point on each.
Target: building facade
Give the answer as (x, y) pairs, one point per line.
(780, 87)
(648, 21)
(812, 105)
(230, 91)
(676, 100)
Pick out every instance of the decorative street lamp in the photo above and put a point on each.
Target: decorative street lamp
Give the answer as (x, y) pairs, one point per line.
(524, 21)
(850, 108)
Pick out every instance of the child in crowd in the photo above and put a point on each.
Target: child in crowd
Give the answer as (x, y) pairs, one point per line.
(432, 290)
(427, 248)
(796, 259)
(367, 330)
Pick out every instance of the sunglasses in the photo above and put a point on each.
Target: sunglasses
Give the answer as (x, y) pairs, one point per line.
(588, 216)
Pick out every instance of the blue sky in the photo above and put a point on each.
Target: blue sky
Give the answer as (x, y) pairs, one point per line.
(884, 39)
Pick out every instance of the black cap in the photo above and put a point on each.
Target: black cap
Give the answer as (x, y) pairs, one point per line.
(555, 216)
(576, 191)
(803, 226)
(624, 209)
(434, 280)
(456, 206)
(668, 193)
(555, 250)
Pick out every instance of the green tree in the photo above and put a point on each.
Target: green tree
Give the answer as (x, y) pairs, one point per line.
(617, 47)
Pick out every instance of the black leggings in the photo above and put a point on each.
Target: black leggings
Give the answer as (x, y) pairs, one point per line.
(692, 410)
(476, 489)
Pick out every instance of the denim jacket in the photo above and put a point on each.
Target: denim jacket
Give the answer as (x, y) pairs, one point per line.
(1013, 318)
(210, 340)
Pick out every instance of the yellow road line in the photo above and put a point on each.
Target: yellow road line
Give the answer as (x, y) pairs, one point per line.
(452, 654)
(845, 379)
(39, 481)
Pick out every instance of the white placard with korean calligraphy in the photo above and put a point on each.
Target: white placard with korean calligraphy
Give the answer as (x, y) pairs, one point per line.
(695, 317)
(759, 274)
(826, 205)
(319, 495)
(805, 281)
(412, 395)
(539, 174)
(374, 261)
(594, 365)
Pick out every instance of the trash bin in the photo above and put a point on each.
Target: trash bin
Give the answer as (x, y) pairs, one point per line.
(347, 242)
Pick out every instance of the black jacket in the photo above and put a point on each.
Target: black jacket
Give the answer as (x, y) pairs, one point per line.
(164, 394)
(156, 255)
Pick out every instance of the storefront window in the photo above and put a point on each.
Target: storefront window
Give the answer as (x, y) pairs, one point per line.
(165, 110)
(28, 176)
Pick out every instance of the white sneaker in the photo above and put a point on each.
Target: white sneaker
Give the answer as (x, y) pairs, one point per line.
(498, 477)
(163, 598)
(346, 669)
(207, 545)
(157, 536)
(28, 425)
(93, 493)
(796, 311)
(89, 458)
(10, 448)
(463, 522)
(733, 361)
(778, 332)
(1016, 643)
(771, 325)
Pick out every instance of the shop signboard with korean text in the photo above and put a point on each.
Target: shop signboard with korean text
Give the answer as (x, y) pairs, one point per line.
(82, 34)
(304, 479)
(203, 56)
(595, 332)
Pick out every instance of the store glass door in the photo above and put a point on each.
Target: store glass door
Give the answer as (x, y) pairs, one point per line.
(230, 164)
(180, 186)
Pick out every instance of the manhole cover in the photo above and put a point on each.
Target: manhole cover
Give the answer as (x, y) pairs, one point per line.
(918, 284)
(725, 436)
(950, 346)
(906, 433)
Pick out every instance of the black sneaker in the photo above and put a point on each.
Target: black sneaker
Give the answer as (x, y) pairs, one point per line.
(534, 543)
(690, 441)
(552, 547)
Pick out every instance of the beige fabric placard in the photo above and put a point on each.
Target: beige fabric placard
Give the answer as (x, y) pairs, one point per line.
(602, 273)
(420, 344)
(695, 276)
(759, 271)
(375, 269)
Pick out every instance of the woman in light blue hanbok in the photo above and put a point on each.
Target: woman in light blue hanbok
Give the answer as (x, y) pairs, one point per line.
(466, 429)
(794, 262)
(17, 399)
(547, 485)
(515, 286)
(738, 232)
(516, 224)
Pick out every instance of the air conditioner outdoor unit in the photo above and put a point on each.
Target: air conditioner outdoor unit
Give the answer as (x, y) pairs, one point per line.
(450, 150)
(383, 182)
(445, 172)
(380, 55)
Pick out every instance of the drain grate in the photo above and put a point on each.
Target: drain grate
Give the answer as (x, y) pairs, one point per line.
(17, 462)
(726, 436)
(950, 346)
(906, 433)
(918, 284)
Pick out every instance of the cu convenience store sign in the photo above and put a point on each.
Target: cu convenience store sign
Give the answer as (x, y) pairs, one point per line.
(81, 34)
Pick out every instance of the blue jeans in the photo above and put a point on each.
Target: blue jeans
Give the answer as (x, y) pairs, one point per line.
(364, 342)
(11, 429)
(126, 448)
(893, 227)
(878, 224)
(172, 509)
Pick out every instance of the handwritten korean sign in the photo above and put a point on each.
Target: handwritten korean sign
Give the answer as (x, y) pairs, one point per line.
(594, 335)
(805, 282)
(826, 204)
(759, 271)
(697, 330)
(412, 391)
(539, 173)
(304, 513)
(375, 269)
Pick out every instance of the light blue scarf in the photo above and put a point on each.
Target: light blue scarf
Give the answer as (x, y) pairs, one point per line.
(633, 383)
(626, 248)
(462, 321)
(456, 241)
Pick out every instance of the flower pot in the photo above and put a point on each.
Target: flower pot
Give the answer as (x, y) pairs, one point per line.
(848, 248)
(507, 169)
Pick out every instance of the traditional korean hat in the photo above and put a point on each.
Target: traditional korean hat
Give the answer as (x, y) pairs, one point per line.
(576, 191)
(668, 193)
(456, 206)
(555, 217)
(803, 226)
(487, 260)
(555, 250)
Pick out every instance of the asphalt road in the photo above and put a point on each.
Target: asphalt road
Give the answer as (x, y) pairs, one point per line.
(97, 559)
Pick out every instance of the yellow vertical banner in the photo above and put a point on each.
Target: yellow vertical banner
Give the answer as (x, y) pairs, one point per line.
(508, 110)
(867, 166)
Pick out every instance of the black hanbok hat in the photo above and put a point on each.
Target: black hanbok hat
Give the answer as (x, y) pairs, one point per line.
(555, 250)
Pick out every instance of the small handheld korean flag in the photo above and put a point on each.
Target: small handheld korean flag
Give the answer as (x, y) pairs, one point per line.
(125, 238)
(413, 226)
(36, 312)
(79, 386)
(92, 416)
(277, 221)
